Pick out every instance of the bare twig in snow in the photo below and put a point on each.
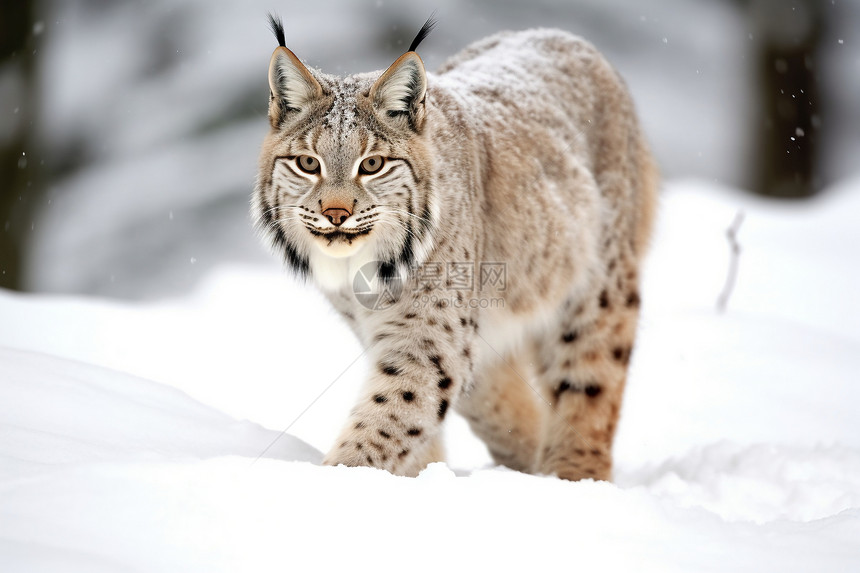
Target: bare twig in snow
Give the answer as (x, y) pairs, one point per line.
(735, 255)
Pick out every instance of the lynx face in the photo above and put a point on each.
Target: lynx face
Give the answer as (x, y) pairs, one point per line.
(344, 172)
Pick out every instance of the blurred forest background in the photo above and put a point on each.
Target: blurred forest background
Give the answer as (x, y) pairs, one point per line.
(129, 131)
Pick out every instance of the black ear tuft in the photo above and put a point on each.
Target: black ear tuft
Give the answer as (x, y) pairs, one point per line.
(423, 32)
(278, 29)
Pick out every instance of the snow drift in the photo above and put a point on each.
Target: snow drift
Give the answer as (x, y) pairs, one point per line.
(152, 437)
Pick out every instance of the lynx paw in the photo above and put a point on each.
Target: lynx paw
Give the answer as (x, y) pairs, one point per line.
(374, 448)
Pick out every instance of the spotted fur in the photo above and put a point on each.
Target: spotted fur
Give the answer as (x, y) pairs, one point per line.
(522, 152)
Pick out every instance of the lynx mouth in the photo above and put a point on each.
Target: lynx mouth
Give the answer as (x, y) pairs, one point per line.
(340, 237)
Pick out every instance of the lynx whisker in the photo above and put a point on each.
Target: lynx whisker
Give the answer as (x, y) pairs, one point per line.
(400, 211)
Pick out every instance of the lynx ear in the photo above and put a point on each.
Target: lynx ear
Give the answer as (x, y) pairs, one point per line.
(292, 85)
(400, 91)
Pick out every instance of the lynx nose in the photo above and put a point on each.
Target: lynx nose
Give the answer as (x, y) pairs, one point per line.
(336, 215)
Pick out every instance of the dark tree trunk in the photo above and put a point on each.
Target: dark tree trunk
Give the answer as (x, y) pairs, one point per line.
(789, 33)
(16, 165)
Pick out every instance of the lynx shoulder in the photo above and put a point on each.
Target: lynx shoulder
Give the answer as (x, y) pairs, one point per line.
(481, 230)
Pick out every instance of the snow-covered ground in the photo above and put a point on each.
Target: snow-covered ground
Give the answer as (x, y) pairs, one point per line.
(148, 437)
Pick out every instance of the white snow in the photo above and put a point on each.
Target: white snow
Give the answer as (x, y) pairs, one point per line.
(130, 433)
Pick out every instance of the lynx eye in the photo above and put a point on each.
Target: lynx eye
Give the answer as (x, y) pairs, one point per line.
(308, 164)
(371, 165)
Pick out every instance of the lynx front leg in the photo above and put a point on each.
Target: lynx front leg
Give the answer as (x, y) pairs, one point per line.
(584, 370)
(417, 376)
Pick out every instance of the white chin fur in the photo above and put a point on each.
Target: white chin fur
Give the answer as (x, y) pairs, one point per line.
(335, 269)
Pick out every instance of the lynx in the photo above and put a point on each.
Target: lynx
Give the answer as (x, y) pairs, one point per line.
(500, 209)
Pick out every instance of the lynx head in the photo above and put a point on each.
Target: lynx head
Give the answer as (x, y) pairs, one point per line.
(344, 175)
